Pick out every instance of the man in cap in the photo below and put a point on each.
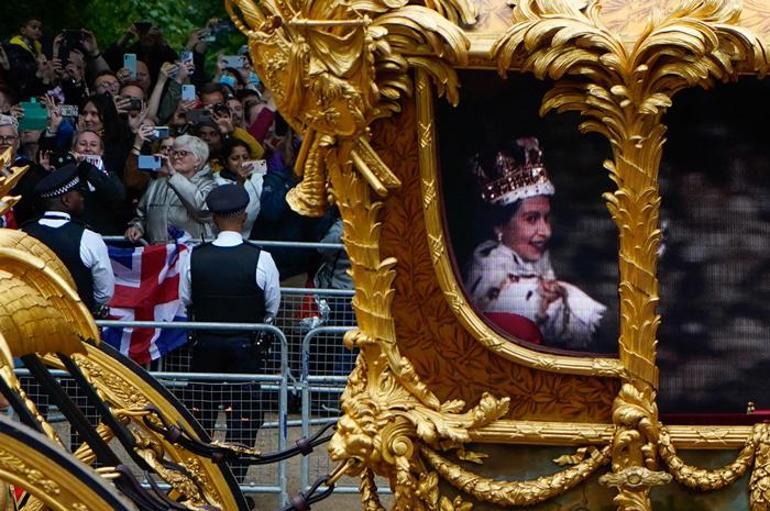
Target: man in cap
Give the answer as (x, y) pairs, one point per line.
(81, 250)
(231, 281)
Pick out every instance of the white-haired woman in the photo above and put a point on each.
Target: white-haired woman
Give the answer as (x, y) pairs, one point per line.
(176, 200)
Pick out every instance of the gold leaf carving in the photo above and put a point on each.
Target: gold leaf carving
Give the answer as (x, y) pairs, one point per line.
(516, 493)
(708, 479)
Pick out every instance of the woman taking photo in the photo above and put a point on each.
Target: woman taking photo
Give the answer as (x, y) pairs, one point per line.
(177, 198)
(242, 170)
(510, 278)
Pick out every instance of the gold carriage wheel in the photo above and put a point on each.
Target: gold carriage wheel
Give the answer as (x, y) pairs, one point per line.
(127, 386)
(30, 461)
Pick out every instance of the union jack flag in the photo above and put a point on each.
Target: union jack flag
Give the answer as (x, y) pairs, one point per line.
(146, 289)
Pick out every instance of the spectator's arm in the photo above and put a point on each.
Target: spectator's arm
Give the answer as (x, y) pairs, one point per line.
(169, 102)
(255, 148)
(192, 196)
(153, 105)
(108, 187)
(140, 219)
(94, 254)
(268, 279)
(134, 179)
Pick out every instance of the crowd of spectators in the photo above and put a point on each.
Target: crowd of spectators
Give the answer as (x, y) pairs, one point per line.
(153, 133)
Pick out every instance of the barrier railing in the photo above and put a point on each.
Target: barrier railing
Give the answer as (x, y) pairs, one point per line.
(323, 372)
(282, 378)
(263, 243)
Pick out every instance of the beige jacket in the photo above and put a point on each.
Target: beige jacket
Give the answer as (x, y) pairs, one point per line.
(176, 201)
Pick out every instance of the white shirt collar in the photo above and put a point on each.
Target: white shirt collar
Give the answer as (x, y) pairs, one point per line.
(58, 214)
(228, 239)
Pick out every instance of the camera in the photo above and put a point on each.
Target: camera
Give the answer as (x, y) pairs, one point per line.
(142, 27)
(198, 116)
(133, 103)
(58, 160)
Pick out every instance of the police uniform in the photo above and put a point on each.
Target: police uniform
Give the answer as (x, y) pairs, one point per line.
(229, 281)
(81, 250)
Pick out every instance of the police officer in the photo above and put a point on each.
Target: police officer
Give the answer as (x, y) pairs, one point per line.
(233, 281)
(81, 250)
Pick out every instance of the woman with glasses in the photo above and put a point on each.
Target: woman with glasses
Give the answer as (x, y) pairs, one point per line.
(176, 200)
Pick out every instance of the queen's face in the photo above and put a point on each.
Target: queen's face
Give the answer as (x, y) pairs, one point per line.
(529, 229)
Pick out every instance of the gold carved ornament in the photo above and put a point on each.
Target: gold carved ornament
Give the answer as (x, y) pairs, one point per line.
(320, 61)
(333, 68)
(623, 90)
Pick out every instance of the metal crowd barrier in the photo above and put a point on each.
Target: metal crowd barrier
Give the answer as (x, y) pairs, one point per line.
(281, 379)
(263, 243)
(323, 370)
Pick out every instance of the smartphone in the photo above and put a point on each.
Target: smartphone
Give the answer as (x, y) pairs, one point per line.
(142, 26)
(207, 36)
(228, 80)
(198, 116)
(235, 61)
(95, 160)
(69, 110)
(72, 36)
(160, 132)
(129, 62)
(134, 104)
(257, 166)
(149, 162)
(188, 92)
(186, 56)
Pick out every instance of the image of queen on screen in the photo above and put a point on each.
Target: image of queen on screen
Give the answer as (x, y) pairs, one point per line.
(509, 277)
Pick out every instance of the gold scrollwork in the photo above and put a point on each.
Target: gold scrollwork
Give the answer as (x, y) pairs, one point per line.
(333, 68)
(623, 92)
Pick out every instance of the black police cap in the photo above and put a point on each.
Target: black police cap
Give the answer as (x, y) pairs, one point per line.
(59, 182)
(227, 199)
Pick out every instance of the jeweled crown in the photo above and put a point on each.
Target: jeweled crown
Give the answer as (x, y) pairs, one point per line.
(512, 179)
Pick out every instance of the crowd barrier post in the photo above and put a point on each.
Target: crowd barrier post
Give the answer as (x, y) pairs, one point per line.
(305, 385)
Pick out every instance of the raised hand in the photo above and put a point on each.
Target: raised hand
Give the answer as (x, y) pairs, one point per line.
(89, 43)
(55, 117)
(224, 121)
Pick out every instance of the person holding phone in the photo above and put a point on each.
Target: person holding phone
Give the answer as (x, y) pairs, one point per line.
(137, 178)
(242, 170)
(105, 196)
(146, 41)
(177, 197)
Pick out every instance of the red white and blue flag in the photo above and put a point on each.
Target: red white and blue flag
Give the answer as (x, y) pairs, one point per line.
(146, 289)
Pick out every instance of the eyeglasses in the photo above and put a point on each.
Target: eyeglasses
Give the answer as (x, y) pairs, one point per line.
(10, 139)
(181, 154)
